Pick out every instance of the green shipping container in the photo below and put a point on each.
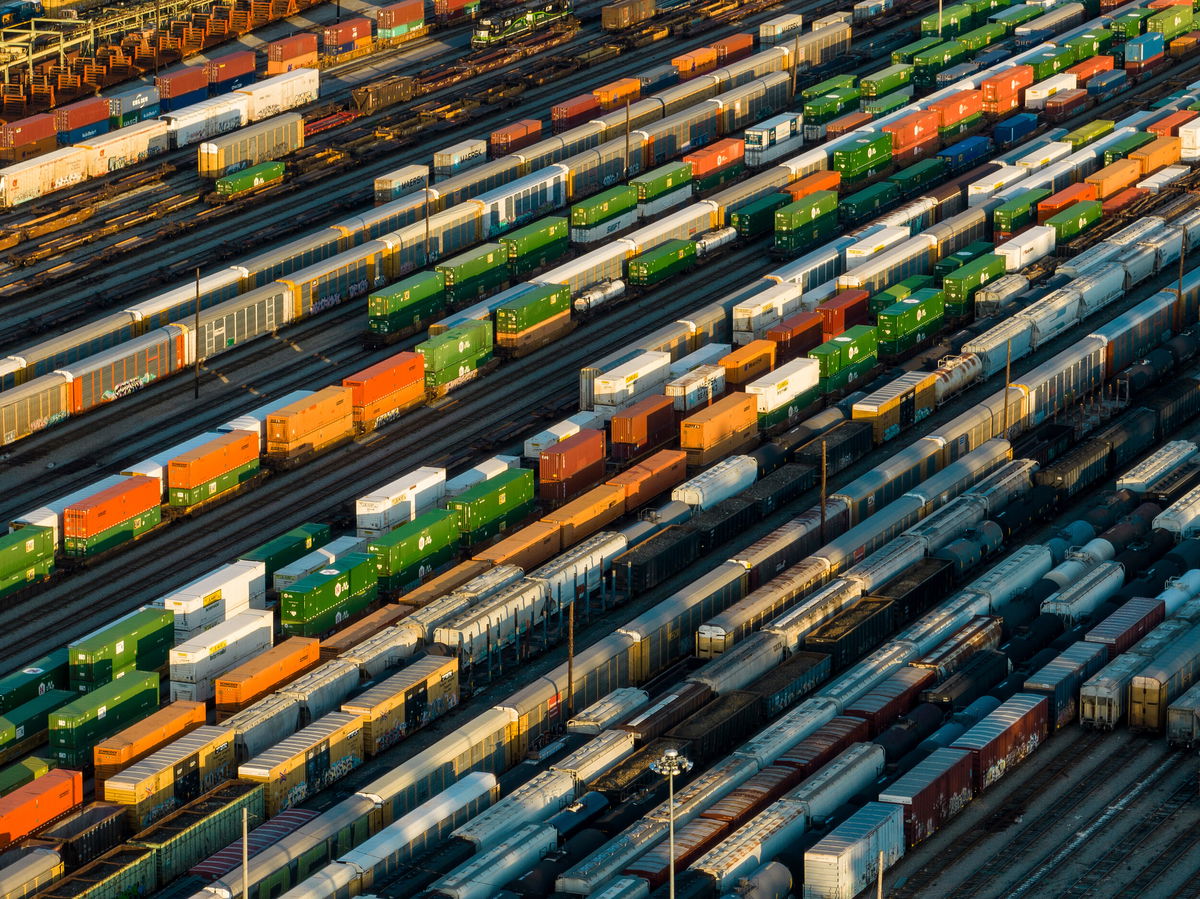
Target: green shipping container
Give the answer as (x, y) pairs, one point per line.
(894, 294)
(837, 82)
(1130, 24)
(791, 241)
(928, 63)
(316, 604)
(465, 366)
(806, 210)
(984, 36)
(955, 261)
(532, 308)
(50, 672)
(829, 359)
(951, 21)
(406, 554)
(828, 107)
(114, 536)
(287, 548)
(910, 321)
(179, 496)
(484, 503)
(905, 55)
(1085, 134)
(78, 726)
(1012, 215)
(409, 303)
(1171, 21)
(31, 718)
(24, 772)
(961, 285)
(1014, 16)
(1051, 62)
(536, 239)
(917, 176)
(141, 640)
(859, 206)
(758, 216)
(1074, 220)
(1127, 145)
(1091, 43)
(886, 80)
(499, 525)
(719, 178)
(248, 179)
(664, 261)
(983, 8)
(790, 411)
(880, 106)
(662, 180)
(605, 205)
(863, 154)
(26, 555)
(476, 271)
(458, 343)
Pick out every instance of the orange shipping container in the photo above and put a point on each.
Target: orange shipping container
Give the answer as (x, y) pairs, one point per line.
(749, 362)
(531, 546)
(1159, 154)
(1169, 127)
(217, 457)
(110, 507)
(1163, 4)
(912, 130)
(953, 109)
(390, 386)
(267, 671)
(349, 637)
(1090, 68)
(1114, 178)
(651, 477)
(698, 60)
(329, 406)
(283, 66)
(641, 422)
(810, 184)
(582, 517)
(1184, 45)
(614, 94)
(1068, 196)
(721, 155)
(725, 418)
(149, 735)
(734, 47)
(1006, 84)
(847, 123)
(38, 803)
(1117, 202)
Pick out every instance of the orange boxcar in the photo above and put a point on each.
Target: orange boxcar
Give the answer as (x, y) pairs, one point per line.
(215, 458)
(260, 675)
(651, 477)
(582, 517)
(723, 419)
(110, 507)
(141, 739)
(39, 802)
(748, 362)
(387, 387)
(529, 547)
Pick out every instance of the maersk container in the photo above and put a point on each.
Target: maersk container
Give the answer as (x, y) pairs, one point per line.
(318, 603)
(532, 308)
(50, 672)
(664, 261)
(475, 272)
(404, 556)
(758, 216)
(662, 180)
(960, 285)
(492, 500)
(139, 640)
(535, 245)
(26, 555)
(1013, 215)
(78, 726)
(885, 80)
(1074, 220)
(409, 303)
(910, 321)
(606, 205)
(289, 547)
(863, 154)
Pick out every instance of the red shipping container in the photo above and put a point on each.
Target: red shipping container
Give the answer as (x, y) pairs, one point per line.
(77, 115)
(223, 68)
(185, 81)
(953, 109)
(1128, 624)
(915, 128)
(917, 152)
(796, 335)
(346, 32)
(650, 477)
(38, 803)
(847, 309)
(27, 131)
(719, 156)
(396, 14)
(564, 459)
(891, 699)
(110, 507)
(847, 123)
(572, 112)
(515, 136)
(1119, 201)
(385, 378)
(1006, 84)
(1169, 127)
(558, 492)
(1065, 104)
(810, 184)
(1146, 66)
(824, 744)
(291, 47)
(1090, 68)
(643, 426)
(733, 47)
(1056, 203)
(932, 793)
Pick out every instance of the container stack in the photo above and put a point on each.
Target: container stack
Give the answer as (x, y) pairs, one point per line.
(76, 728)
(535, 245)
(138, 641)
(539, 315)
(182, 88)
(310, 425)
(231, 71)
(25, 138)
(399, 19)
(406, 555)
(474, 273)
(729, 425)
(217, 467)
(784, 393)
(456, 355)
(567, 469)
(346, 37)
(215, 597)
(717, 164)
(76, 122)
(605, 214)
(318, 603)
(510, 138)
(494, 505)
(111, 517)
(399, 501)
(197, 663)
(846, 357)
(662, 188)
(296, 52)
(26, 556)
(806, 222)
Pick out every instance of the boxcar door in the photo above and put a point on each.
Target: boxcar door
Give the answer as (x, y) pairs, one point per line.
(316, 763)
(416, 704)
(187, 779)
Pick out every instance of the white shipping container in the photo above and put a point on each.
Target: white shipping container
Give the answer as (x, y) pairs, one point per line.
(402, 181)
(553, 435)
(215, 597)
(197, 663)
(486, 469)
(1037, 94)
(42, 175)
(126, 146)
(780, 28)
(1026, 248)
(1043, 156)
(399, 501)
(774, 130)
(1181, 517)
(979, 192)
(752, 318)
(784, 384)
(459, 156)
(697, 389)
(876, 243)
(208, 118)
(632, 380)
(709, 354)
(314, 561)
(725, 479)
(846, 862)
(156, 465)
(1189, 139)
(756, 158)
(281, 93)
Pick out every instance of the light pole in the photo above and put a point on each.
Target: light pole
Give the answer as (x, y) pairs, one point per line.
(670, 764)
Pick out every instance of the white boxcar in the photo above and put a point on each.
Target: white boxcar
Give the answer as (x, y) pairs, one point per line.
(208, 118)
(126, 146)
(34, 178)
(846, 862)
(281, 93)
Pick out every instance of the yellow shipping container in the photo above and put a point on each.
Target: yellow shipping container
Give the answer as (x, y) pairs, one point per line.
(406, 702)
(307, 762)
(899, 405)
(176, 774)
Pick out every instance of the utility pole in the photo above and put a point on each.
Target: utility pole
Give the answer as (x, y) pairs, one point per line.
(795, 62)
(570, 661)
(823, 484)
(626, 139)
(427, 241)
(879, 878)
(196, 337)
(245, 853)
(1007, 382)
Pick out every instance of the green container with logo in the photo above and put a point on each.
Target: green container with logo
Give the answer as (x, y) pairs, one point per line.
(1126, 145)
(1171, 21)
(662, 262)
(50, 672)
(984, 36)
(793, 241)
(26, 555)
(496, 526)
(475, 272)
(317, 603)
(141, 641)
(886, 80)
(410, 303)
(537, 244)
(489, 500)
(461, 343)
(1091, 43)
(863, 154)
(1130, 24)
(30, 719)
(963, 283)
(287, 548)
(881, 106)
(404, 555)
(906, 54)
(952, 20)
(957, 260)
(78, 726)
(1074, 220)
(604, 206)
(1051, 62)
(1086, 134)
(122, 532)
(928, 63)
(828, 106)
(179, 496)
(24, 772)
(861, 205)
(806, 210)
(837, 82)
(894, 294)
(910, 321)
(539, 304)
(661, 181)
(758, 216)
(248, 179)
(1013, 215)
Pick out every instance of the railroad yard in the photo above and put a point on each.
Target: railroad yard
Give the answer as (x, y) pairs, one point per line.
(709, 448)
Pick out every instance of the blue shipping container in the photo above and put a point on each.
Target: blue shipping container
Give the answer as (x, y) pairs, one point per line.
(174, 104)
(659, 76)
(230, 84)
(966, 153)
(1107, 83)
(1015, 129)
(1144, 47)
(82, 133)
